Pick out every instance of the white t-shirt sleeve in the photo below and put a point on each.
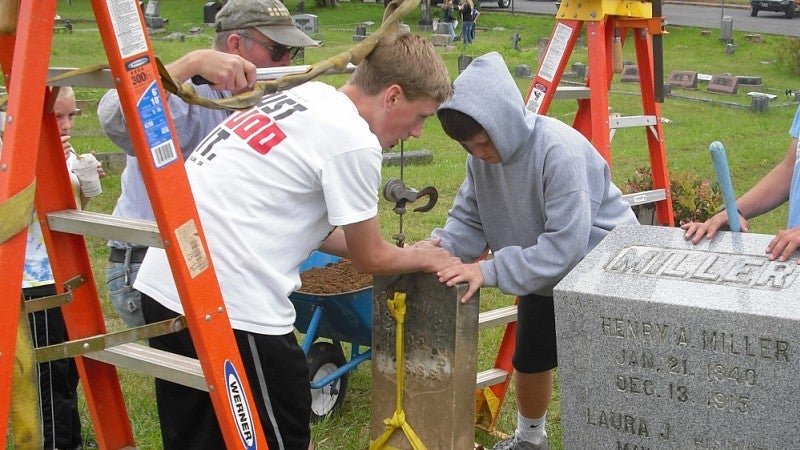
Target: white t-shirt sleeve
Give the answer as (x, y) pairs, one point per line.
(350, 184)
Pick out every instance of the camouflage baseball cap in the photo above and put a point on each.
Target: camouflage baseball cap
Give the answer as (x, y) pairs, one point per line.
(269, 17)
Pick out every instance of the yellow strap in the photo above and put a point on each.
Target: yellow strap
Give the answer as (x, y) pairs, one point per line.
(17, 212)
(397, 307)
(9, 12)
(487, 407)
(24, 411)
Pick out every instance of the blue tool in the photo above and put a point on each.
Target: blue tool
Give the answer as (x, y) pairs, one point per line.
(720, 161)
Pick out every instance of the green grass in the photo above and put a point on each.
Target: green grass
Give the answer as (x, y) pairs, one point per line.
(755, 142)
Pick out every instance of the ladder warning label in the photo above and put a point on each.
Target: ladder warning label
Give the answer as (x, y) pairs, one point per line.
(156, 126)
(192, 249)
(555, 52)
(535, 99)
(127, 27)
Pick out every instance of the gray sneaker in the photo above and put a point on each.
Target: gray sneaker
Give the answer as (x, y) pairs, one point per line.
(513, 444)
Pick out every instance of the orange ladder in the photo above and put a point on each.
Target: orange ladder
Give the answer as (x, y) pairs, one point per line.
(32, 152)
(604, 20)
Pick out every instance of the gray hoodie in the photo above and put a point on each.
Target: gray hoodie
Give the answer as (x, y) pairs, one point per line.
(544, 207)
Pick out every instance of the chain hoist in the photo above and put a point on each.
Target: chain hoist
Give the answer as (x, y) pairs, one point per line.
(396, 191)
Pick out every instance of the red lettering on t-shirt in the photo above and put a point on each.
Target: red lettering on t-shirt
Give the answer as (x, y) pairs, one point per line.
(257, 129)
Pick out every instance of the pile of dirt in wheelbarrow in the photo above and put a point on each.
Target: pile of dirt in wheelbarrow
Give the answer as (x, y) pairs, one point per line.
(333, 279)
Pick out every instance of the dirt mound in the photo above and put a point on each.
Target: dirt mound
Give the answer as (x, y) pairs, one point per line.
(334, 279)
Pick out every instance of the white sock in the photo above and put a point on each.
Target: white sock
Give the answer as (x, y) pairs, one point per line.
(531, 430)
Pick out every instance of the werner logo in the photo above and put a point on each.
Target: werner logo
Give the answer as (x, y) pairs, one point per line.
(239, 406)
(138, 62)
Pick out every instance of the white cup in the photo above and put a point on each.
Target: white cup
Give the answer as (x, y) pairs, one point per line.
(85, 167)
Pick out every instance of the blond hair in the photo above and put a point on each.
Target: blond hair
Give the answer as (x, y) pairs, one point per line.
(66, 93)
(409, 61)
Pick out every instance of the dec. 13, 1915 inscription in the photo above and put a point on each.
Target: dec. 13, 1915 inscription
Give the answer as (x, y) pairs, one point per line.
(666, 345)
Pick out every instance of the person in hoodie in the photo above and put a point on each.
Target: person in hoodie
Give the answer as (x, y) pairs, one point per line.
(539, 197)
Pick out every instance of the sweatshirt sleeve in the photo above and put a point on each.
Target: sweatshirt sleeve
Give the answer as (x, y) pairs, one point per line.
(462, 234)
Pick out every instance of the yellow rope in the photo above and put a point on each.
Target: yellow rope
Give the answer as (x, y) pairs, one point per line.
(397, 307)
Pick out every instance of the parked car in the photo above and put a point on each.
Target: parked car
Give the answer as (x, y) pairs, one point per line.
(789, 7)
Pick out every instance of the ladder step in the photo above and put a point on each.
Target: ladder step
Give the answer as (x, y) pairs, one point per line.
(155, 363)
(640, 198)
(490, 377)
(496, 317)
(88, 223)
(571, 93)
(631, 121)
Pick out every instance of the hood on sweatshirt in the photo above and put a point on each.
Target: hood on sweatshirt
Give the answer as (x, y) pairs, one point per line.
(486, 91)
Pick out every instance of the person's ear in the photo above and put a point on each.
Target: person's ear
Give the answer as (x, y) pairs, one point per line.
(234, 42)
(393, 95)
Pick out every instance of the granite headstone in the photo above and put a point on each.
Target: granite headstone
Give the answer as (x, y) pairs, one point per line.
(667, 345)
(725, 84)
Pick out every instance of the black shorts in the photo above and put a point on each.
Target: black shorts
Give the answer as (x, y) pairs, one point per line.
(277, 370)
(535, 349)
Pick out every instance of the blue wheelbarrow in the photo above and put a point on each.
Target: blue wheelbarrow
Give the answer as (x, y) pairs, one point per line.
(338, 318)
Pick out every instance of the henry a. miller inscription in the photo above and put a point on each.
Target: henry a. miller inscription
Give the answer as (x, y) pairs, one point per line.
(666, 345)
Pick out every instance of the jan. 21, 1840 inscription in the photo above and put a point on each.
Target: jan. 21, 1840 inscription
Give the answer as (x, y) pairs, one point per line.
(666, 345)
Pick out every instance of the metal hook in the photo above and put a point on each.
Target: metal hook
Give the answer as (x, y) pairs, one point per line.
(395, 190)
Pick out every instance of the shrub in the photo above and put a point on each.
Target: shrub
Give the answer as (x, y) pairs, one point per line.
(693, 199)
(789, 54)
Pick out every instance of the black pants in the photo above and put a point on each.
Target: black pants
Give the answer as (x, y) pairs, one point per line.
(278, 374)
(58, 379)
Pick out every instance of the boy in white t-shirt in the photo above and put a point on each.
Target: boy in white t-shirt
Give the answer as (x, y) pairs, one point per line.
(298, 172)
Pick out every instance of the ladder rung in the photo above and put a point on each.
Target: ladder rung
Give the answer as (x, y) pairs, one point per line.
(495, 317)
(631, 121)
(155, 363)
(87, 223)
(96, 79)
(490, 377)
(571, 93)
(640, 198)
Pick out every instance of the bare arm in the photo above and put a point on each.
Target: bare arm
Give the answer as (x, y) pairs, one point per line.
(369, 253)
(770, 192)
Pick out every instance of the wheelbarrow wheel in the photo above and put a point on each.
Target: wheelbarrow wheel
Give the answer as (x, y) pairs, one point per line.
(323, 359)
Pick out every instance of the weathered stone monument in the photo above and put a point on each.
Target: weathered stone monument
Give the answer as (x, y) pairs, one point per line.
(307, 23)
(725, 84)
(630, 73)
(683, 79)
(360, 33)
(522, 71)
(439, 361)
(463, 62)
(666, 345)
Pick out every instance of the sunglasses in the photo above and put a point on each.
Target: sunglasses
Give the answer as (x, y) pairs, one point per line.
(277, 51)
